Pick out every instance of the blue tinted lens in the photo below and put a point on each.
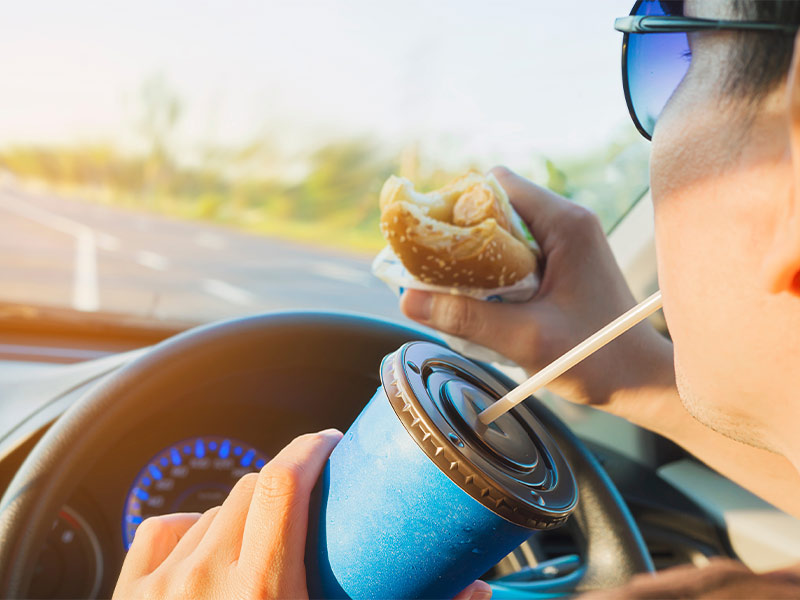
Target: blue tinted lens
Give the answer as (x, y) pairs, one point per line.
(656, 64)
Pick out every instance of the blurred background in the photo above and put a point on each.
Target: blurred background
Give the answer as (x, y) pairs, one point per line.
(190, 161)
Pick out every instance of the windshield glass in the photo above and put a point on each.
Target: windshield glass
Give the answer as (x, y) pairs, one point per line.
(196, 161)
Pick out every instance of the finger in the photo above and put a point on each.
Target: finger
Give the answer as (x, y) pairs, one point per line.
(191, 539)
(155, 538)
(275, 531)
(225, 534)
(533, 203)
(507, 328)
(547, 214)
(477, 590)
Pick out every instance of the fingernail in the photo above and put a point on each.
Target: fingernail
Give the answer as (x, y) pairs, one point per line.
(332, 432)
(482, 593)
(418, 305)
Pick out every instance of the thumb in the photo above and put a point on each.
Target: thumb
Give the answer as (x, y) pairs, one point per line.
(501, 327)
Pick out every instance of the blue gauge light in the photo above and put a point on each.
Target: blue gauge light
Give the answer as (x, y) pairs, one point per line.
(193, 475)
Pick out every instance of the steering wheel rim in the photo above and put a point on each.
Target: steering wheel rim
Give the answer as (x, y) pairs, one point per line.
(612, 545)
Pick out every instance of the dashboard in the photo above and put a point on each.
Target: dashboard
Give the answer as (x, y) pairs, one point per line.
(178, 463)
(86, 543)
(192, 475)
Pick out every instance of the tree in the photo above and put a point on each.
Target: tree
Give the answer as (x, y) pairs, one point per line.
(162, 109)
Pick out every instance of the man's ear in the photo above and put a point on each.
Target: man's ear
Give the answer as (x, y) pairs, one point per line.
(781, 268)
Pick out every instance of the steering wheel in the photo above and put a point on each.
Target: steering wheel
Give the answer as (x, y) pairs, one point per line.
(610, 543)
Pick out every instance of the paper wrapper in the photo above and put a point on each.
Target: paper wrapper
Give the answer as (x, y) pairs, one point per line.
(388, 268)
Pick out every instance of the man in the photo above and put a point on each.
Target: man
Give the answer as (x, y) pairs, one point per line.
(725, 182)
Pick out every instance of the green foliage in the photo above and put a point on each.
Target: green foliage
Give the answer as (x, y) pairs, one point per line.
(161, 111)
(335, 202)
(82, 165)
(342, 183)
(607, 180)
(556, 178)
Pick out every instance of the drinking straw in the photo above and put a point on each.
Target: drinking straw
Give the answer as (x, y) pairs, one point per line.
(568, 360)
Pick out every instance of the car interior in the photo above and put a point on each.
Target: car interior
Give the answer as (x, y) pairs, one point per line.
(92, 407)
(189, 219)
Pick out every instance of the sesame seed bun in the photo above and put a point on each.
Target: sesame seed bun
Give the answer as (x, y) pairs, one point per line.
(465, 234)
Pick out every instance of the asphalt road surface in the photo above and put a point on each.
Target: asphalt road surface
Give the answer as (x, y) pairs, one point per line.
(68, 253)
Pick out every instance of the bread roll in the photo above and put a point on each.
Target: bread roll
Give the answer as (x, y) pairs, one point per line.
(465, 234)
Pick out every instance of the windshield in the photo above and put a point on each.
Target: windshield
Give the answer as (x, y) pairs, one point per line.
(197, 161)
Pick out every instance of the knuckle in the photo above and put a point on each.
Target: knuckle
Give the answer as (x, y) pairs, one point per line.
(286, 480)
(262, 585)
(156, 585)
(243, 488)
(247, 482)
(151, 529)
(282, 481)
(582, 218)
(196, 578)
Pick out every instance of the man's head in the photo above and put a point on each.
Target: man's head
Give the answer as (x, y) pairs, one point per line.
(725, 175)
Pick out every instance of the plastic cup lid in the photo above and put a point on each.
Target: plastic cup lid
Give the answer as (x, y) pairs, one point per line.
(512, 466)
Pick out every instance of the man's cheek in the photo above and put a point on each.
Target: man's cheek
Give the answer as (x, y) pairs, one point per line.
(674, 240)
(684, 277)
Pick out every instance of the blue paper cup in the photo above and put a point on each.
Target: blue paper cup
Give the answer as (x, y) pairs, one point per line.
(419, 499)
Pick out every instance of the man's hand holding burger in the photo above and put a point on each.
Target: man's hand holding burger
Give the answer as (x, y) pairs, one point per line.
(582, 289)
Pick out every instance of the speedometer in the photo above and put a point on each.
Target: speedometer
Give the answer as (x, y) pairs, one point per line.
(190, 476)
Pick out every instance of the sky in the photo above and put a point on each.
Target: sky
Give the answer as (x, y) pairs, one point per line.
(496, 80)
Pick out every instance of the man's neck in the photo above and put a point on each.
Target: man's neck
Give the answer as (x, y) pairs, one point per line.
(791, 446)
(775, 477)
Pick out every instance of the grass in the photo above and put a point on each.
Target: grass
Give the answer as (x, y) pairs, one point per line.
(331, 233)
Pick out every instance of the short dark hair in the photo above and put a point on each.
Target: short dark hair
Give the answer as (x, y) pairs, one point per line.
(761, 60)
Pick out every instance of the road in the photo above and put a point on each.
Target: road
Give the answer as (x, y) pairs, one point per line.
(63, 252)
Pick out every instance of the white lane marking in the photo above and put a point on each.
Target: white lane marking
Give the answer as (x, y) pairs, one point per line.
(209, 240)
(229, 293)
(151, 260)
(106, 241)
(35, 213)
(340, 273)
(85, 295)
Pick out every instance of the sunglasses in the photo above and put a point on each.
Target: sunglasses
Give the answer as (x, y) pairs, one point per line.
(656, 54)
